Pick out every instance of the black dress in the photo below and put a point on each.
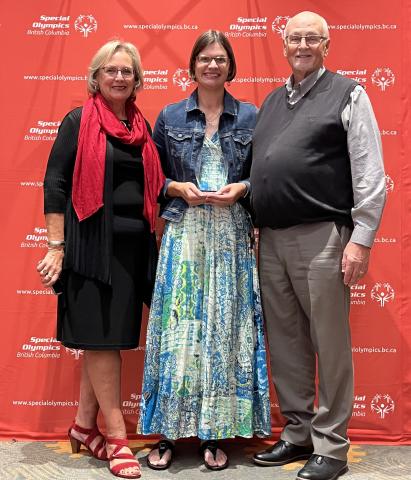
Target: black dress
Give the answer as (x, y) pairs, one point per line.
(94, 314)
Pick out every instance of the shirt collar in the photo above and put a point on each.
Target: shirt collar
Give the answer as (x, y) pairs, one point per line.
(295, 92)
(230, 105)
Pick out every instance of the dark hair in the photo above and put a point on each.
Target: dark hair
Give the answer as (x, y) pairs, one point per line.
(204, 40)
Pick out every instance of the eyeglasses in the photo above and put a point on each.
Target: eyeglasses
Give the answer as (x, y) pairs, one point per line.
(309, 39)
(112, 72)
(206, 60)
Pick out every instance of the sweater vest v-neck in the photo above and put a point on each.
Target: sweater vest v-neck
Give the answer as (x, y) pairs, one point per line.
(301, 167)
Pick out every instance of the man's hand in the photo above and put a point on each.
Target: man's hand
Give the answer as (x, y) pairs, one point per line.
(355, 262)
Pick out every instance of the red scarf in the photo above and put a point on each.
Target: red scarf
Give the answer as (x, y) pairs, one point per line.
(98, 121)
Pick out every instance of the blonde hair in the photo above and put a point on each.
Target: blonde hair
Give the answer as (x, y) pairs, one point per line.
(104, 54)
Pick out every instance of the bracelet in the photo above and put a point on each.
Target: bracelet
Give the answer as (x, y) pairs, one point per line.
(59, 248)
(56, 243)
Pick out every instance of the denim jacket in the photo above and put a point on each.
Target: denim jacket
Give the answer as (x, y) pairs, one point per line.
(179, 135)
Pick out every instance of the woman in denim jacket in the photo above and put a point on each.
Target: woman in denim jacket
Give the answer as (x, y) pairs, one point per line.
(205, 369)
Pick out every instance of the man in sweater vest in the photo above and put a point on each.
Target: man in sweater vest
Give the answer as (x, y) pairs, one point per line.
(317, 191)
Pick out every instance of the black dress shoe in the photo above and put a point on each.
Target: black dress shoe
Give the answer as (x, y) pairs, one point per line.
(282, 453)
(320, 467)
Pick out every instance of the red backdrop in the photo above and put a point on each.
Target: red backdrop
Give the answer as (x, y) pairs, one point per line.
(47, 46)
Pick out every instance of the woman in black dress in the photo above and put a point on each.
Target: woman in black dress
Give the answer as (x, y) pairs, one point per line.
(100, 194)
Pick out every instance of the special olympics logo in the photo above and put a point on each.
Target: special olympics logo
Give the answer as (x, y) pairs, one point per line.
(182, 79)
(383, 78)
(279, 25)
(389, 184)
(75, 352)
(382, 405)
(85, 24)
(382, 293)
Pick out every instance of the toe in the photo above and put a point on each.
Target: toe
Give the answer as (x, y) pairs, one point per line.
(221, 458)
(209, 458)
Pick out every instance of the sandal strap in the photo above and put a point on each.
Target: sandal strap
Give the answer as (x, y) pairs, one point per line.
(116, 469)
(121, 456)
(119, 444)
(115, 455)
(163, 446)
(92, 434)
(84, 431)
(117, 441)
(211, 445)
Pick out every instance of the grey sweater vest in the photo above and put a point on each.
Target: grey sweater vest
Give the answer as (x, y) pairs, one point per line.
(301, 168)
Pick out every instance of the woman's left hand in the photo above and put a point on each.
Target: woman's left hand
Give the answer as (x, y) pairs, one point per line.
(227, 195)
(50, 266)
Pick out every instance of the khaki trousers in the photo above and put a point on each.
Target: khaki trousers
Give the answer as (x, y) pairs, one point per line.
(306, 308)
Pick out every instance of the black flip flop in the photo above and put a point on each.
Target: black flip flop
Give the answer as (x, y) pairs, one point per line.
(212, 445)
(162, 446)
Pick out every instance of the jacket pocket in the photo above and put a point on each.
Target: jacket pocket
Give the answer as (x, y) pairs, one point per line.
(242, 144)
(179, 143)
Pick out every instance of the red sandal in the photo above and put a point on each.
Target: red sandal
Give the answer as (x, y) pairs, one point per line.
(99, 450)
(115, 455)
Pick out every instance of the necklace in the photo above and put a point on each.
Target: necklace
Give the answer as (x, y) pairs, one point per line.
(213, 120)
(126, 123)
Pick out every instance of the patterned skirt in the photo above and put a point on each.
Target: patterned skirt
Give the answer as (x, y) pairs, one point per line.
(205, 371)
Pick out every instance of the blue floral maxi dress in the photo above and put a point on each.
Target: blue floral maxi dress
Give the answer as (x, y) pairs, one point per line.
(205, 371)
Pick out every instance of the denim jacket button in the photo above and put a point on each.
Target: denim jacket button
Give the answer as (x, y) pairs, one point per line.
(179, 135)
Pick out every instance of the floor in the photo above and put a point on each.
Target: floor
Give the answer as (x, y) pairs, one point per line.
(54, 461)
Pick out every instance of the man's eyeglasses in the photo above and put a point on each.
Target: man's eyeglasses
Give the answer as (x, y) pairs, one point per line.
(309, 39)
(112, 72)
(206, 60)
